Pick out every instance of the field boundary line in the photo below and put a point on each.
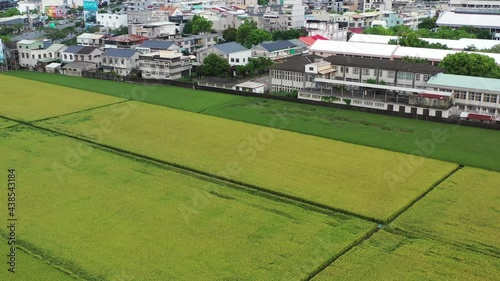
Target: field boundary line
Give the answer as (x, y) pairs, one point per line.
(55, 263)
(342, 252)
(422, 195)
(261, 191)
(377, 229)
(75, 112)
(412, 234)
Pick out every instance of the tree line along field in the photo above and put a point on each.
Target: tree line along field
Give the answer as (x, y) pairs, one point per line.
(124, 213)
(112, 216)
(391, 133)
(339, 175)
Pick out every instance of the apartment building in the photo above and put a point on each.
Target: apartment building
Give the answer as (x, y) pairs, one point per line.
(164, 64)
(277, 50)
(151, 46)
(119, 61)
(80, 53)
(33, 52)
(112, 20)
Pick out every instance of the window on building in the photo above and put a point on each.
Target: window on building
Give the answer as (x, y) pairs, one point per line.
(391, 74)
(426, 77)
(366, 71)
(103, 60)
(232, 59)
(417, 77)
(346, 69)
(39, 56)
(237, 60)
(355, 70)
(405, 76)
(22, 55)
(311, 68)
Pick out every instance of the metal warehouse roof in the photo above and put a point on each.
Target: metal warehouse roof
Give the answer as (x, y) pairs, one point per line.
(353, 48)
(230, 47)
(463, 19)
(120, 53)
(466, 82)
(278, 45)
(156, 44)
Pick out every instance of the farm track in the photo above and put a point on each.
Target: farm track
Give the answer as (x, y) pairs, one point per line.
(371, 233)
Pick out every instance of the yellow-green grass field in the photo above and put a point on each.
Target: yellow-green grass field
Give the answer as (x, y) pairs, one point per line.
(4, 123)
(104, 216)
(390, 257)
(29, 268)
(28, 100)
(463, 210)
(367, 181)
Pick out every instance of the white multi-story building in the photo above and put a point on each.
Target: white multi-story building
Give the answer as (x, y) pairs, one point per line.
(112, 21)
(153, 30)
(90, 39)
(295, 13)
(164, 65)
(31, 52)
(80, 53)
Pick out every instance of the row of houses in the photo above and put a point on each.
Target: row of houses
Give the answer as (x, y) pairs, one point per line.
(391, 85)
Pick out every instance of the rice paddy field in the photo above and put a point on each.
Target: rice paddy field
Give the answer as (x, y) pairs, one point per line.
(387, 256)
(99, 222)
(175, 188)
(465, 210)
(327, 172)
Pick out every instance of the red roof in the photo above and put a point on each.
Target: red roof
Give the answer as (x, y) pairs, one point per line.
(307, 40)
(318, 37)
(480, 117)
(357, 30)
(432, 96)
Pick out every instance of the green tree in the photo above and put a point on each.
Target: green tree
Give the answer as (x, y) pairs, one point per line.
(470, 65)
(229, 34)
(9, 13)
(201, 25)
(378, 30)
(494, 49)
(410, 39)
(120, 31)
(429, 23)
(188, 27)
(257, 36)
(214, 65)
(470, 48)
(244, 30)
(414, 59)
(263, 2)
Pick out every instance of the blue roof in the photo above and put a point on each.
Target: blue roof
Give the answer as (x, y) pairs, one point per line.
(120, 53)
(278, 45)
(46, 44)
(73, 49)
(230, 47)
(156, 44)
